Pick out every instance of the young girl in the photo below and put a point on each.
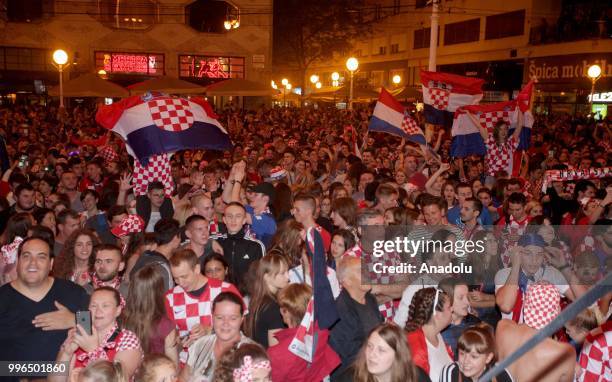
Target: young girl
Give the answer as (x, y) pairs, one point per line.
(385, 356)
(264, 319)
(430, 313)
(248, 363)
(157, 368)
(476, 354)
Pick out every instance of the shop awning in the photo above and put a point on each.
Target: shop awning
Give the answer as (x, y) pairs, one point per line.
(239, 87)
(166, 84)
(90, 85)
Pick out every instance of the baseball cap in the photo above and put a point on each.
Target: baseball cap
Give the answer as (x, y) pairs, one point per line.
(264, 188)
(131, 224)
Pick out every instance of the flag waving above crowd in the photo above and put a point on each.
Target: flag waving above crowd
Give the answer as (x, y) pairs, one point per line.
(157, 123)
(390, 116)
(443, 93)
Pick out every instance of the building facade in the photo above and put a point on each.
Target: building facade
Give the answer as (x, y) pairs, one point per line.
(132, 40)
(503, 42)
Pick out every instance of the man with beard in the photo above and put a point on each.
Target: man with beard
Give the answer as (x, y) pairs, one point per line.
(108, 263)
(24, 202)
(69, 183)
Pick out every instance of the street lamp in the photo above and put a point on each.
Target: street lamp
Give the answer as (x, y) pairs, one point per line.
(314, 79)
(318, 85)
(60, 57)
(594, 74)
(335, 76)
(285, 89)
(397, 79)
(284, 81)
(351, 64)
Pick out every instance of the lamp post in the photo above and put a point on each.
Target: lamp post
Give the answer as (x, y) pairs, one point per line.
(287, 88)
(60, 57)
(594, 74)
(351, 64)
(396, 79)
(335, 76)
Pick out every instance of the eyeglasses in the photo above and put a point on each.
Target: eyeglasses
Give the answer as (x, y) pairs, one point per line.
(436, 299)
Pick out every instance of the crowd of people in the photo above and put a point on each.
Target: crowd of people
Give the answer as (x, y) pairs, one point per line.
(210, 280)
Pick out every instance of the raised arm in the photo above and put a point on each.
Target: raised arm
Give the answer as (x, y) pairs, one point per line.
(483, 132)
(519, 126)
(432, 180)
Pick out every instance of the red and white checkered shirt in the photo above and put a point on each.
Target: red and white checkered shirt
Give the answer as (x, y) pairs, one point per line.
(594, 359)
(124, 340)
(499, 157)
(188, 311)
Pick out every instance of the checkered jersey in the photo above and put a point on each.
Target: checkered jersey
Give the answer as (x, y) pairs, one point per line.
(188, 311)
(594, 359)
(388, 309)
(158, 169)
(499, 157)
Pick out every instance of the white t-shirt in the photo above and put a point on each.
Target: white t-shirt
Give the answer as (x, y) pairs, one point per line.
(401, 313)
(547, 273)
(438, 358)
(155, 217)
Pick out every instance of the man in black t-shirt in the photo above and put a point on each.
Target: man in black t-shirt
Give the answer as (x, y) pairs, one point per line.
(36, 310)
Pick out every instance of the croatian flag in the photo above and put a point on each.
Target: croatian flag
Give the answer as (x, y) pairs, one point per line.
(321, 311)
(523, 101)
(389, 116)
(443, 93)
(156, 123)
(466, 134)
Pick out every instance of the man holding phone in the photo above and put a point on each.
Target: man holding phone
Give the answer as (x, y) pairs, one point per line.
(36, 310)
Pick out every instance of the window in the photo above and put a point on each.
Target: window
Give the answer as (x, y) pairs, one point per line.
(148, 64)
(397, 5)
(382, 50)
(201, 67)
(421, 3)
(394, 48)
(465, 31)
(127, 14)
(24, 10)
(422, 37)
(209, 15)
(26, 59)
(505, 25)
(377, 12)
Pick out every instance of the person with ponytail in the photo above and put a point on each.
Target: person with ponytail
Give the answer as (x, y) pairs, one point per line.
(264, 319)
(248, 363)
(385, 356)
(476, 347)
(429, 314)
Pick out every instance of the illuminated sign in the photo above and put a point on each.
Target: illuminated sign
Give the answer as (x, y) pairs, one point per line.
(601, 97)
(130, 63)
(211, 67)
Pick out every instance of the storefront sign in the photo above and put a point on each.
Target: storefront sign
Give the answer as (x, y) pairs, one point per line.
(211, 67)
(130, 63)
(601, 97)
(566, 69)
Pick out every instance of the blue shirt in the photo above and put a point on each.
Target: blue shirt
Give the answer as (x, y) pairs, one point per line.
(454, 217)
(263, 226)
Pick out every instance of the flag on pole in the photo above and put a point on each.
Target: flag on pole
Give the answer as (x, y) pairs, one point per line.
(321, 312)
(443, 93)
(523, 101)
(155, 124)
(466, 134)
(390, 116)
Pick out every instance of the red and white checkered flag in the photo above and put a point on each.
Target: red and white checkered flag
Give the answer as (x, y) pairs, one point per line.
(302, 344)
(158, 169)
(410, 126)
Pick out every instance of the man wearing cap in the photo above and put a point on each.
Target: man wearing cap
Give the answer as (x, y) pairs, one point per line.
(550, 360)
(259, 217)
(527, 268)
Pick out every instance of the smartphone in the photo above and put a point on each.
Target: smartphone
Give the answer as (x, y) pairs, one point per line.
(23, 161)
(83, 318)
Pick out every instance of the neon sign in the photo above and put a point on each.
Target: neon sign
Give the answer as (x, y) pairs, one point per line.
(211, 67)
(130, 63)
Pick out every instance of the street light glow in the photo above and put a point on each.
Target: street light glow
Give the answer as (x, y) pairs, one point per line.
(335, 76)
(318, 85)
(397, 79)
(60, 57)
(314, 78)
(288, 86)
(594, 71)
(227, 24)
(352, 64)
(335, 83)
(284, 81)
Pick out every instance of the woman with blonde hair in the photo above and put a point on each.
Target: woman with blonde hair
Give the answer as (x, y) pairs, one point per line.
(100, 371)
(286, 366)
(156, 368)
(385, 356)
(264, 319)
